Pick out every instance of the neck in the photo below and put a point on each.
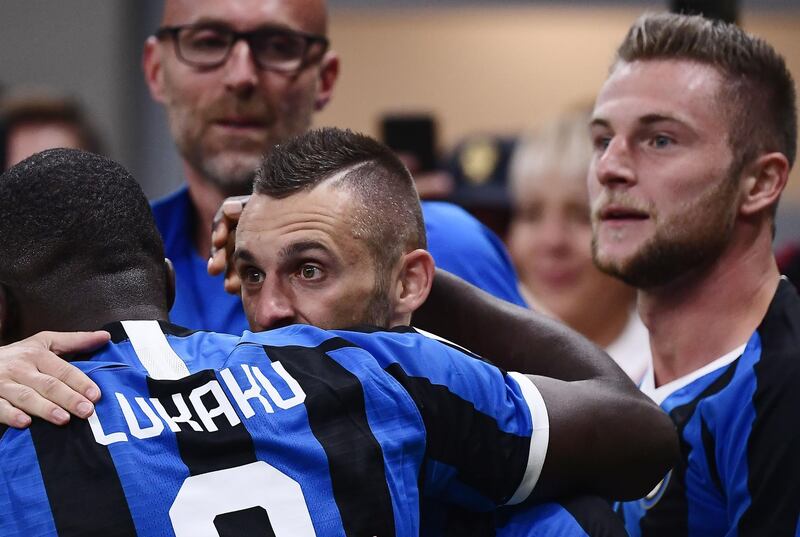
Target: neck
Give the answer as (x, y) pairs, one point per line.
(206, 199)
(604, 320)
(87, 319)
(606, 332)
(71, 304)
(704, 314)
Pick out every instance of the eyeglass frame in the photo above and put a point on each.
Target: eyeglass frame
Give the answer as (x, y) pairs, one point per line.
(310, 40)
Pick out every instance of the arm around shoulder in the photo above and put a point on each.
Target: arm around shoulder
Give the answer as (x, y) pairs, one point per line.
(605, 436)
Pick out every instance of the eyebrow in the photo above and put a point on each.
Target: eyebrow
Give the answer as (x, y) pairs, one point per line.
(296, 248)
(648, 119)
(244, 254)
(213, 22)
(291, 250)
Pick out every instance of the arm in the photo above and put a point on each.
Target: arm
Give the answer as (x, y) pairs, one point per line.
(36, 381)
(606, 437)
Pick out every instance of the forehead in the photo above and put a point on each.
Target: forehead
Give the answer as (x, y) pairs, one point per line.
(304, 15)
(552, 184)
(681, 89)
(322, 214)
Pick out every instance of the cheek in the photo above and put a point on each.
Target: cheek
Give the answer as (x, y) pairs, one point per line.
(523, 239)
(294, 101)
(250, 306)
(582, 241)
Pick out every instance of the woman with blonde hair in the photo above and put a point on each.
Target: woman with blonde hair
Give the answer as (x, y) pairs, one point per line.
(550, 243)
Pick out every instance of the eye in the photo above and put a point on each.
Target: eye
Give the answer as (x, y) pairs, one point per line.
(252, 276)
(206, 39)
(309, 272)
(660, 141)
(530, 214)
(600, 142)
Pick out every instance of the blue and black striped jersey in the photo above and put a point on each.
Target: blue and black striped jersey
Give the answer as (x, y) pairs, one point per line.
(584, 516)
(739, 426)
(295, 431)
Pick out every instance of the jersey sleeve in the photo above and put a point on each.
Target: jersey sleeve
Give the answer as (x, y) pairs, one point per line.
(486, 430)
(584, 516)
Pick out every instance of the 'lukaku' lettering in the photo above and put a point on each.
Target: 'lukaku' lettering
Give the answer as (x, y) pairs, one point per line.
(205, 404)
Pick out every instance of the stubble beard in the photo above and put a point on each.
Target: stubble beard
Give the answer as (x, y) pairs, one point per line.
(693, 238)
(230, 166)
(378, 311)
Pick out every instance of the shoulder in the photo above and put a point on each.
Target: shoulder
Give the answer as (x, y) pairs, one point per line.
(460, 244)
(172, 213)
(444, 217)
(171, 201)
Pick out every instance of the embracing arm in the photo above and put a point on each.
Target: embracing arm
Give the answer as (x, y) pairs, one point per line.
(606, 437)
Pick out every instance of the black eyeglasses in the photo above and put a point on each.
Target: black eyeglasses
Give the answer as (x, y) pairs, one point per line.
(275, 49)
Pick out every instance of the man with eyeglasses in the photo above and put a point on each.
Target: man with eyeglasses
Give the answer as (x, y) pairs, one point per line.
(238, 77)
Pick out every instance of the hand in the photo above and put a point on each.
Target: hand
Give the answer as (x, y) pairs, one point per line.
(36, 381)
(223, 240)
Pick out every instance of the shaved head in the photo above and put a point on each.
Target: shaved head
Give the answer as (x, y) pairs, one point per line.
(311, 15)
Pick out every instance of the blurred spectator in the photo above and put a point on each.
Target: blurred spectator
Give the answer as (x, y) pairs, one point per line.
(36, 123)
(413, 138)
(550, 243)
(479, 166)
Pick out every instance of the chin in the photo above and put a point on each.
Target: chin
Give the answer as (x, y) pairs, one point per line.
(233, 173)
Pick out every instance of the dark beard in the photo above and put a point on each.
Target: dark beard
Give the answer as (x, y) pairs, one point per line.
(378, 310)
(661, 262)
(674, 252)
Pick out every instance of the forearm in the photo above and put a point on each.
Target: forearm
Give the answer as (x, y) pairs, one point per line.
(514, 338)
(604, 439)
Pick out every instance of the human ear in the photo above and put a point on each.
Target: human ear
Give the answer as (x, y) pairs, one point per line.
(152, 67)
(328, 74)
(764, 180)
(413, 284)
(170, 274)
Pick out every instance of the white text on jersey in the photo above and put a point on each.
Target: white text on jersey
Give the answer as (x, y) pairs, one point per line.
(252, 385)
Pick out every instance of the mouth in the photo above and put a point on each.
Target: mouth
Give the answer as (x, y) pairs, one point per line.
(617, 213)
(558, 278)
(241, 123)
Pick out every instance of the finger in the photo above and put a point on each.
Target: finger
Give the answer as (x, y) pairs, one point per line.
(233, 284)
(61, 390)
(216, 263)
(13, 417)
(32, 403)
(69, 342)
(78, 389)
(75, 379)
(59, 382)
(233, 207)
(219, 235)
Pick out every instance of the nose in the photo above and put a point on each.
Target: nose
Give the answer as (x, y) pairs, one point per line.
(553, 233)
(274, 308)
(614, 166)
(241, 72)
